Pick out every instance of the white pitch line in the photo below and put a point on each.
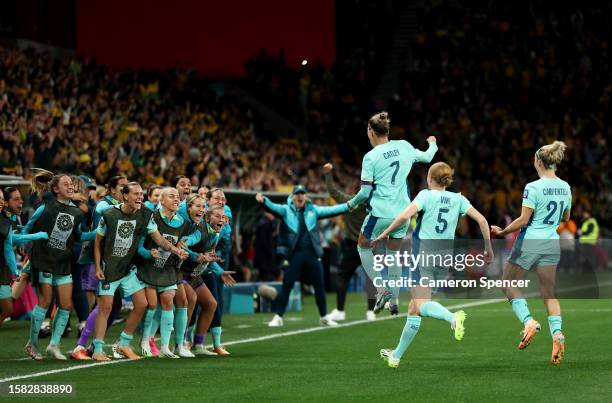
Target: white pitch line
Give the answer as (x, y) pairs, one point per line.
(286, 334)
(249, 340)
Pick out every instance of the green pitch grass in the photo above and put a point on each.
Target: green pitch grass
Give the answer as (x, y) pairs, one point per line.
(343, 364)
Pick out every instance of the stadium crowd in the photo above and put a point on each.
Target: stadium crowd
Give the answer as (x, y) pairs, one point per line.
(73, 115)
(488, 81)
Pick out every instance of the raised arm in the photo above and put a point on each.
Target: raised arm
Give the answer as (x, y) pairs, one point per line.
(277, 209)
(332, 188)
(427, 155)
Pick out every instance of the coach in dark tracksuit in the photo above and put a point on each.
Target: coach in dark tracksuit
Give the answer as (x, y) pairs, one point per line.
(350, 257)
(300, 238)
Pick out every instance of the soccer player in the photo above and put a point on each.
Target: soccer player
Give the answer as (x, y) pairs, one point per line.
(384, 185)
(159, 271)
(439, 210)
(546, 202)
(8, 264)
(153, 194)
(183, 185)
(301, 240)
(215, 283)
(118, 237)
(198, 265)
(51, 261)
(113, 197)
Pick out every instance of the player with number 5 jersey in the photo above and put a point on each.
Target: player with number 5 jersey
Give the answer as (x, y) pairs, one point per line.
(546, 202)
(384, 186)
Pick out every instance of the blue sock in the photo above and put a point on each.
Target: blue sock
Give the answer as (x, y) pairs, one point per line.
(98, 346)
(155, 322)
(521, 310)
(166, 322)
(435, 310)
(148, 324)
(38, 315)
(59, 325)
(125, 339)
(410, 330)
(180, 324)
(394, 272)
(554, 323)
(216, 334)
(367, 262)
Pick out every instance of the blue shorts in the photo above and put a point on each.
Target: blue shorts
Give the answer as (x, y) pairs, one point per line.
(374, 226)
(160, 289)
(5, 292)
(54, 279)
(527, 260)
(527, 253)
(129, 284)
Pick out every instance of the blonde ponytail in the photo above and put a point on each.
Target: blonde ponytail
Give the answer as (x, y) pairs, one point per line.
(552, 154)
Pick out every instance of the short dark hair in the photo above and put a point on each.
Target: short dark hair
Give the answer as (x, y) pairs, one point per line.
(126, 188)
(8, 191)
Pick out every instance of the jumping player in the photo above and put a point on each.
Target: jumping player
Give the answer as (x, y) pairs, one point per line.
(384, 185)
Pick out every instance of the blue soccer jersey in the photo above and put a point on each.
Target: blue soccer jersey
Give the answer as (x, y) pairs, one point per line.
(387, 166)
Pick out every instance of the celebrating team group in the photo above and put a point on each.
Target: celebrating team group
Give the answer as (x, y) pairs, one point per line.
(170, 253)
(162, 253)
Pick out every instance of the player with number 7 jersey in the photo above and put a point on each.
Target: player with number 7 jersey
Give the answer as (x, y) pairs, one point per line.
(384, 187)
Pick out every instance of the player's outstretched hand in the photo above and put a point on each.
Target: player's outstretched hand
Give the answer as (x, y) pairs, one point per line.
(495, 230)
(431, 139)
(327, 168)
(227, 278)
(259, 197)
(379, 239)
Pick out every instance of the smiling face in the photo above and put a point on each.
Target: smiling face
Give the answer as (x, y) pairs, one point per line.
(154, 198)
(202, 191)
(184, 187)
(170, 199)
(216, 217)
(64, 189)
(196, 210)
(218, 197)
(133, 199)
(299, 200)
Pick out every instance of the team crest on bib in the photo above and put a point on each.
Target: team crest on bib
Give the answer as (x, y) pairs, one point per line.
(124, 237)
(61, 231)
(165, 254)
